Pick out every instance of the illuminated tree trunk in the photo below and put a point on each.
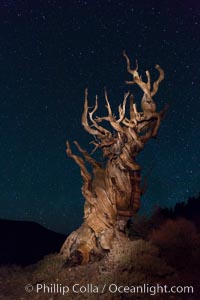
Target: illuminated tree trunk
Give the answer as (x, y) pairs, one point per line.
(113, 189)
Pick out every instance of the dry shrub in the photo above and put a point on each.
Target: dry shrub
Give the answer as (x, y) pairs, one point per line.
(49, 267)
(178, 241)
(137, 262)
(140, 227)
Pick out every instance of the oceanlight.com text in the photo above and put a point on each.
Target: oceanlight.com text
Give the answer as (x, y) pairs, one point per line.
(89, 288)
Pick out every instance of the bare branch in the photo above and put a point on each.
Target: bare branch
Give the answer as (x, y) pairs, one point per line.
(111, 118)
(148, 80)
(85, 124)
(98, 127)
(133, 72)
(157, 82)
(132, 114)
(84, 172)
(96, 146)
(129, 123)
(146, 87)
(88, 158)
(108, 104)
(122, 110)
(136, 78)
(135, 137)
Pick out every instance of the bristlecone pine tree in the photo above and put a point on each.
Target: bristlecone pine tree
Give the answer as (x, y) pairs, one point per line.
(112, 191)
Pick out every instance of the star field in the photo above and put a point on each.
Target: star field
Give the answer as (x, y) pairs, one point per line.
(49, 52)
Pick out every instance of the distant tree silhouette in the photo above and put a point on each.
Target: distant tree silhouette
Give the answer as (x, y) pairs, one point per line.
(189, 210)
(141, 226)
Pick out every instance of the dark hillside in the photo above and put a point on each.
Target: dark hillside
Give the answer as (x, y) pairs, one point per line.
(25, 243)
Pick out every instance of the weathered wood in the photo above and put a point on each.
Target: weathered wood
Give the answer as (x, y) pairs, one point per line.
(112, 191)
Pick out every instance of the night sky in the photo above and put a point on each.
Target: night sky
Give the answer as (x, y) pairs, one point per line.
(49, 52)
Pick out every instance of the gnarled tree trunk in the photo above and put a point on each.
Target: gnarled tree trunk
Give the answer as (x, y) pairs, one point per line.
(112, 191)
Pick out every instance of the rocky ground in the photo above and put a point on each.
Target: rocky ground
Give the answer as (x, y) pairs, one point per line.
(129, 264)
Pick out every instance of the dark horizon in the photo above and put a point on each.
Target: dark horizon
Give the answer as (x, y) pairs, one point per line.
(49, 53)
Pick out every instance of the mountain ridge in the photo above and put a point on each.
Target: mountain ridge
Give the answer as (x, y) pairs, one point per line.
(26, 242)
